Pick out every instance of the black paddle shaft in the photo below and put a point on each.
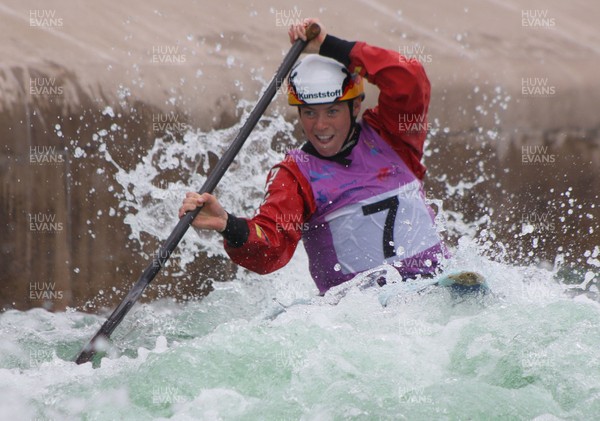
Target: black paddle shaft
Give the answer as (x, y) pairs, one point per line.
(88, 352)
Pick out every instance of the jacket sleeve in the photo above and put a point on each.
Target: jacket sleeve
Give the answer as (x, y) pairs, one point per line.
(267, 241)
(400, 116)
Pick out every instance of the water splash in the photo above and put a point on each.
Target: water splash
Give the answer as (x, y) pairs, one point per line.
(266, 347)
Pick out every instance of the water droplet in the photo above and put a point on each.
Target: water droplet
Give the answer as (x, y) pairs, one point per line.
(108, 111)
(337, 267)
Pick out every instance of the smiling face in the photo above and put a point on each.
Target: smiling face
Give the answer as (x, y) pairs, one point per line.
(326, 125)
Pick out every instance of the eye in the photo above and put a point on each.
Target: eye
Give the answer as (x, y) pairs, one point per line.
(332, 112)
(308, 113)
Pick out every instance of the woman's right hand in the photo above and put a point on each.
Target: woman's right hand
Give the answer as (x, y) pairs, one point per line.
(212, 216)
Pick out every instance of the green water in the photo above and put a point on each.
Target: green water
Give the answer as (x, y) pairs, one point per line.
(527, 352)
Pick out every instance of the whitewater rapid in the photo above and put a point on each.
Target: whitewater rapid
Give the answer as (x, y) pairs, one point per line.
(268, 348)
(527, 351)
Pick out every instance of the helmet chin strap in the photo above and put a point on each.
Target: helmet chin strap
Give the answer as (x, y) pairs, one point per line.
(351, 128)
(349, 143)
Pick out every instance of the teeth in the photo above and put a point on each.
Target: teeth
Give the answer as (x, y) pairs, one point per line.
(324, 137)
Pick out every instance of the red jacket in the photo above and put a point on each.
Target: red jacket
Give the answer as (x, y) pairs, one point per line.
(277, 227)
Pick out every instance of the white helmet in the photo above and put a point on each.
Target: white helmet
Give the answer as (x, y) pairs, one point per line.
(321, 80)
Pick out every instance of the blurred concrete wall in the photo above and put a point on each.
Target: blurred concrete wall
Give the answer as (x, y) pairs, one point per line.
(63, 63)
